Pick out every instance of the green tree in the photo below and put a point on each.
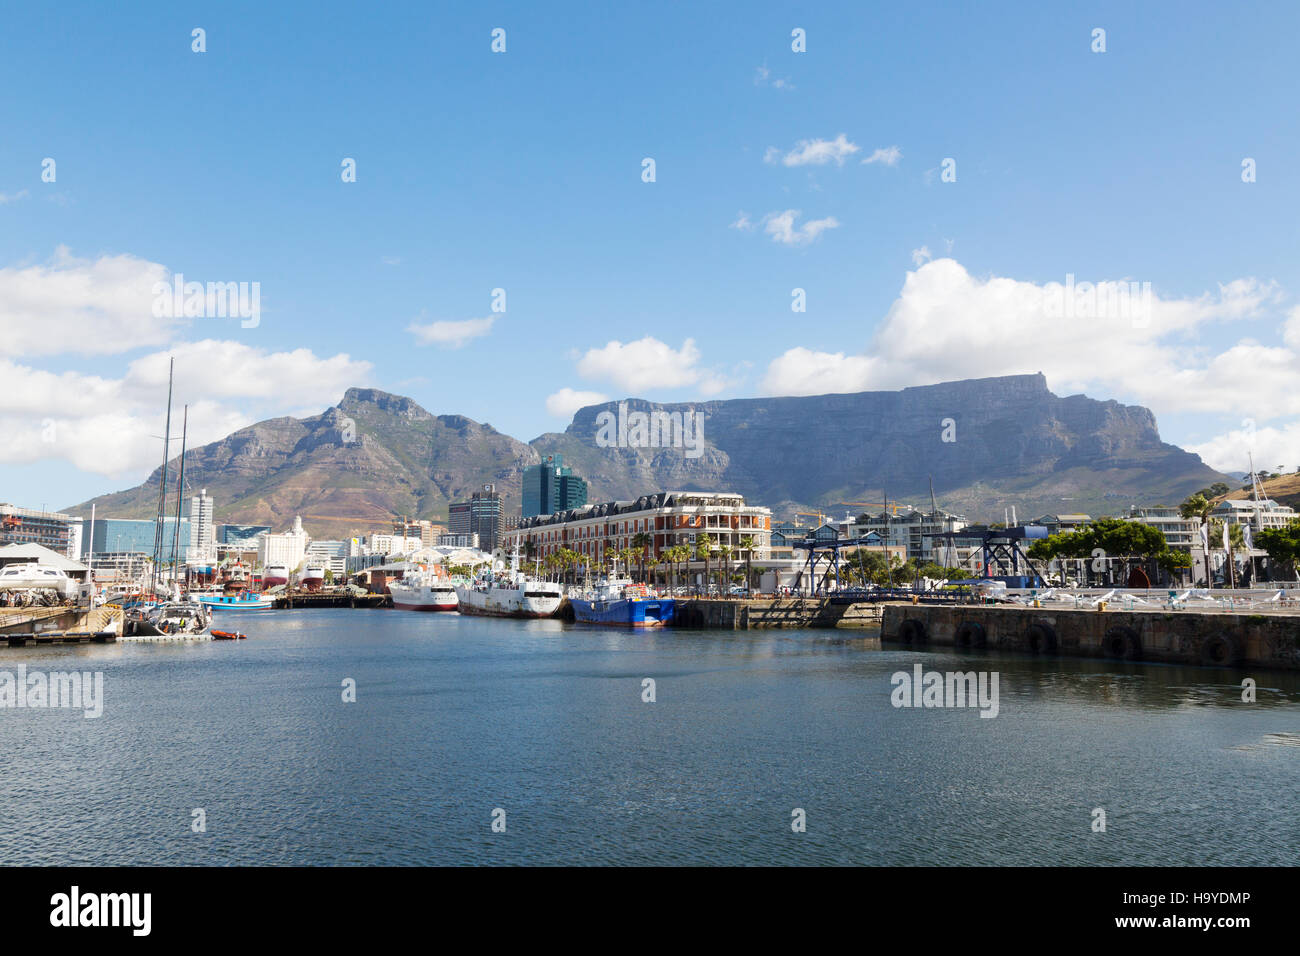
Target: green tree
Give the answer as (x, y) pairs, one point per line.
(703, 549)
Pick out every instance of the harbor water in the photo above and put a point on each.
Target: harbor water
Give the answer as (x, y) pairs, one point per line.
(457, 717)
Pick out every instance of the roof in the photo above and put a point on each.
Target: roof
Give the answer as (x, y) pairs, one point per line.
(35, 552)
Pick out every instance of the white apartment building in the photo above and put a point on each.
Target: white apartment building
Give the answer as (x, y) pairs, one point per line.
(393, 544)
(203, 533)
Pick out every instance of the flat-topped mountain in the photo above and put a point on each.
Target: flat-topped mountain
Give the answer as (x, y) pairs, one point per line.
(986, 443)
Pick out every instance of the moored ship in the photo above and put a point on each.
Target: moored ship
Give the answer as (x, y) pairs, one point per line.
(313, 577)
(619, 602)
(515, 594)
(275, 574)
(423, 590)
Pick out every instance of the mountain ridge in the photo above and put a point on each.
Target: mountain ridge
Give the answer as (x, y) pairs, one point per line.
(986, 444)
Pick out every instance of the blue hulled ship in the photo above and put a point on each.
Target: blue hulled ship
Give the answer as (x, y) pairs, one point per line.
(621, 603)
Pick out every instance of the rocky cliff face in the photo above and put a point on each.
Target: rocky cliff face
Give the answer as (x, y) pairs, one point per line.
(987, 444)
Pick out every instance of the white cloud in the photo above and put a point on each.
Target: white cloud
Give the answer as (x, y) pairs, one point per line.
(451, 335)
(947, 325)
(1271, 446)
(566, 401)
(889, 155)
(648, 364)
(71, 305)
(763, 77)
(781, 227)
(108, 426)
(814, 152)
(742, 222)
(921, 256)
(11, 197)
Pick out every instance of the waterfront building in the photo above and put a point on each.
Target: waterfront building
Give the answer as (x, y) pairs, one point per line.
(668, 518)
(458, 541)
(922, 535)
(118, 567)
(481, 515)
(287, 548)
(135, 536)
(49, 529)
(1261, 514)
(551, 486)
(1180, 533)
(240, 533)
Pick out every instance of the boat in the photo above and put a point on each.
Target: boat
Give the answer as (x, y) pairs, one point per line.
(313, 577)
(274, 574)
(34, 576)
(228, 636)
(423, 590)
(620, 602)
(221, 600)
(177, 619)
(513, 594)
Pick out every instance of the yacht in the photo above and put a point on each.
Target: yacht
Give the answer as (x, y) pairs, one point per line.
(34, 576)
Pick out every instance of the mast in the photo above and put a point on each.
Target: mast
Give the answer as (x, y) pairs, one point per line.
(158, 534)
(180, 497)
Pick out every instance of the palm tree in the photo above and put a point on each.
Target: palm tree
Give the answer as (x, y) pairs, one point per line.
(641, 542)
(703, 546)
(747, 545)
(724, 551)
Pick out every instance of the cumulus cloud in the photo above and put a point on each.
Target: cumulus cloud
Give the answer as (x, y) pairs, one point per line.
(107, 426)
(921, 256)
(780, 226)
(889, 155)
(814, 152)
(84, 306)
(451, 334)
(566, 401)
(1271, 447)
(947, 324)
(649, 364)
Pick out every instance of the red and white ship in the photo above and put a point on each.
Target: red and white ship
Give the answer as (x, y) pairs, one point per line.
(275, 574)
(423, 590)
(313, 577)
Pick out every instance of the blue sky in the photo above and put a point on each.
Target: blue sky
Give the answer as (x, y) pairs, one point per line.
(522, 170)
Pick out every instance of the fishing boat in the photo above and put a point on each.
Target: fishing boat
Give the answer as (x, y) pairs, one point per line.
(513, 594)
(221, 600)
(423, 590)
(620, 602)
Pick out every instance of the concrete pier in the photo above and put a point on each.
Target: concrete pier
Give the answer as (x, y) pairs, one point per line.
(1212, 638)
(775, 613)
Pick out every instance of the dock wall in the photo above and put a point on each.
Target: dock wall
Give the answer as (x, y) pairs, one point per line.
(1177, 637)
(779, 613)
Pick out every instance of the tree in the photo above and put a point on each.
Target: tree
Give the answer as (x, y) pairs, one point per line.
(1282, 545)
(724, 552)
(641, 542)
(703, 548)
(747, 545)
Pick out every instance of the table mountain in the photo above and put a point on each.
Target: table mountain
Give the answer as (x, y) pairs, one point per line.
(987, 444)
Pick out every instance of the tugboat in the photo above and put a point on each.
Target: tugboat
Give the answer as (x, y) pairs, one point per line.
(620, 602)
(513, 595)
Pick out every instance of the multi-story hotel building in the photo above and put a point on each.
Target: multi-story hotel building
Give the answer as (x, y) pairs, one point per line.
(50, 529)
(669, 518)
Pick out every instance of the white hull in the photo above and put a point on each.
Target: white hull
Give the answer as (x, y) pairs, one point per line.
(526, 601)
(423, 597)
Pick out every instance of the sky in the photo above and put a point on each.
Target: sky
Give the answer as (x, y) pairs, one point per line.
(933, 179)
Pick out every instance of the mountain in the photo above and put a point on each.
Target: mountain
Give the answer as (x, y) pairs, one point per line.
(349, 470)
(987, 443)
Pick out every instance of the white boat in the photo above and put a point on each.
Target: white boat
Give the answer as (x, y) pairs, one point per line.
(178, 619)
(423, 590)
(34, 576)
(275, 574)
(217, 599)
(514, 594)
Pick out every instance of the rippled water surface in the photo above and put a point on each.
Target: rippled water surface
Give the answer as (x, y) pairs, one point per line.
(458, 716)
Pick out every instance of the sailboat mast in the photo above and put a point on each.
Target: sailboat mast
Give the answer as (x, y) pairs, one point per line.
(180, 497)
(158, 533)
